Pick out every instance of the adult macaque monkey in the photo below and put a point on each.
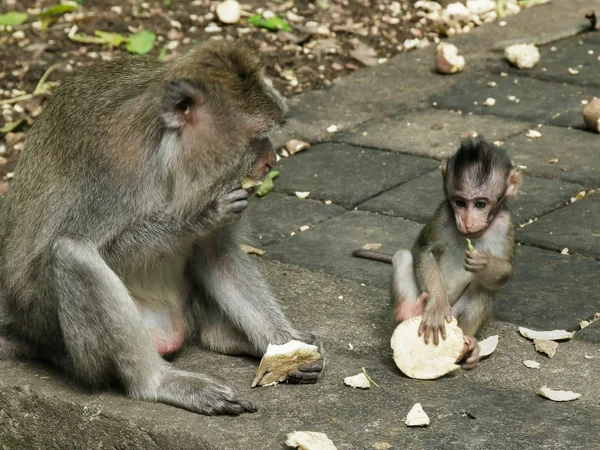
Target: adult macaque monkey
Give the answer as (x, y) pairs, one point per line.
(441, 277)
(119, 237)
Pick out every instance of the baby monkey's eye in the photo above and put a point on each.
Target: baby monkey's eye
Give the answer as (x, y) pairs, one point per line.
(480, 204)
(459, 203)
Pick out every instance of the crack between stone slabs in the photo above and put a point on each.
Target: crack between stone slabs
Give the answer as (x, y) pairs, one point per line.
(541, 247)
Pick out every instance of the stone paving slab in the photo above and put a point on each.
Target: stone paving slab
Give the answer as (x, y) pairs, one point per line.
(556, 59)
(276, 215)
(535, 297)
(576, 151)
(591, 333)
(470, 409)
(431, 133)
(576, 227)
(419, 198)
(539, 101)
(328, 246)
(345, 174)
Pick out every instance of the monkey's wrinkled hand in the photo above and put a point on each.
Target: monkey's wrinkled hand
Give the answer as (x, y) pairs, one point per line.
(309, 373)
(229, 208)
(476, 261)
(471, 353)
(434, 323)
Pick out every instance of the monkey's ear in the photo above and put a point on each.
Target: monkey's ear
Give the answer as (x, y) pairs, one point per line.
(514, 180)
(444, 167)
(180, 98)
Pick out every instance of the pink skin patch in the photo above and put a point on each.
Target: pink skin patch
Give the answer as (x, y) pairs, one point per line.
(167, 330)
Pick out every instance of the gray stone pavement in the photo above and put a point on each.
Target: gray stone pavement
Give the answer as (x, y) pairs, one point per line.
(380, 171)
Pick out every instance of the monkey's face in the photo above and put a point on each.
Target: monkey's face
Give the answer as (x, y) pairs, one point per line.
(259, 159)
(472, 215)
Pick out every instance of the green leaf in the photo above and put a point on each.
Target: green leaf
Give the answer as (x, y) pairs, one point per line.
(162, 54)
(57, 10)
(267, 183)
(469, 245)
(272, 23)
(110, 39)
(363, 370)
(141, 42)
(80, 2)
(167, 3)
(13, 18)
(7, 128)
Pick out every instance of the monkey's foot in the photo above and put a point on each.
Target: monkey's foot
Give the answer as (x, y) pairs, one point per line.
(200, 394)
(471, 353)
(404, 309)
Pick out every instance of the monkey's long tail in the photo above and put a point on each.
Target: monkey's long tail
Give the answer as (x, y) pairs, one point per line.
(373, 256)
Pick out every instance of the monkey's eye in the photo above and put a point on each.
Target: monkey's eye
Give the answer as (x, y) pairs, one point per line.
(459, 203)
(480, 204)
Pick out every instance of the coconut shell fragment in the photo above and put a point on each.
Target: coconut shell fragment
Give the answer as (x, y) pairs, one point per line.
(426, 361)
(547, 347)
(280, 360)
(558, 396)
(447, 59)
(591, 114)
(309, 440)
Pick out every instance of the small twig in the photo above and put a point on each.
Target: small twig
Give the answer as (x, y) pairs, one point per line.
(39, 89)
(364, 371)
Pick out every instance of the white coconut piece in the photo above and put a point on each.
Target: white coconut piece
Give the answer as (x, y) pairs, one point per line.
(358, 381)
(426, 361)
(309, 440)
(547, 347)
(524, 56)
(554, 335)
(531, 364)
(487, 346)
(229, 11)
(294, 146)
(533, 134)
(302, 194)
(490, 101)
(447, 59)
(416, 417)
(280, 360)
(591, 114)
(558, 396)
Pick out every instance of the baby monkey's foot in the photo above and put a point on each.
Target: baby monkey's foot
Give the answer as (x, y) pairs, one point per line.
(471, 353)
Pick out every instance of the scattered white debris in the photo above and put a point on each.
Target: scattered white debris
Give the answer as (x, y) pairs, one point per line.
(573, 71)
(374, 246)
(591, 114)
(358, 381)
(294, 146)
(565, 251)
(558, 396)
(489, 101)
(545, 346)
(499, 143)
(426, 361)
(309, 440)
(328, 202)
(531, 364)
(229, 11)
(586, 356)
(523, 56)
(280, 360)
(584, 323)
(447, 59)
(552, 160)
(554, 335)
(492, 84)
(248, 249)
(302, 194)
(416, 417)
(487, 346)
(350, 346)
(304, 227)
(533, 134)
(332, 128)
(578, 197)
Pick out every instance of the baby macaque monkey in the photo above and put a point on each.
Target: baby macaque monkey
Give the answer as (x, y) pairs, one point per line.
(442, 276)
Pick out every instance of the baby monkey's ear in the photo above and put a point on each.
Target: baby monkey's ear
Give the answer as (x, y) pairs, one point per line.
(514, 180)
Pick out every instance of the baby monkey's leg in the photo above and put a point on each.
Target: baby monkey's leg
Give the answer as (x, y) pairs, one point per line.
(472, 310)
(408, 301)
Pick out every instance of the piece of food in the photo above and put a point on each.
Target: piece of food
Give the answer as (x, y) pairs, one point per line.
(533, 134)
(267, 183)
(487, 346)
(531, 364)
(545, 346)
(558, 396)
(358, 381)
(371, 380)
(591, 114)
(302, 194)
(280, 360)
(523, 56)
(249, 183)
(309, 440)
(229, 11)
(416, 417)
(554, 335)
(447, 59)
(249, 250)
(470, 245)
(295, 146)
(490, 101)
(426, 361)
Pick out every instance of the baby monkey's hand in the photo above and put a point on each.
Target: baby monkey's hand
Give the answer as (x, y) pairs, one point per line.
(476, 261)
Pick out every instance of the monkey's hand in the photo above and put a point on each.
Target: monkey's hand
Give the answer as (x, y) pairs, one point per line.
(476, 261)
(434, 322)
(309, 373)
(228, 208)
(471, 353)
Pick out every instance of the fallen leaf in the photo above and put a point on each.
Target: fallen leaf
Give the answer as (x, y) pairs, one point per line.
(110, 39)
(141, 42)
(558, 396)
(13, 18)
(11, 126)
(57, 10)
(272, 23)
